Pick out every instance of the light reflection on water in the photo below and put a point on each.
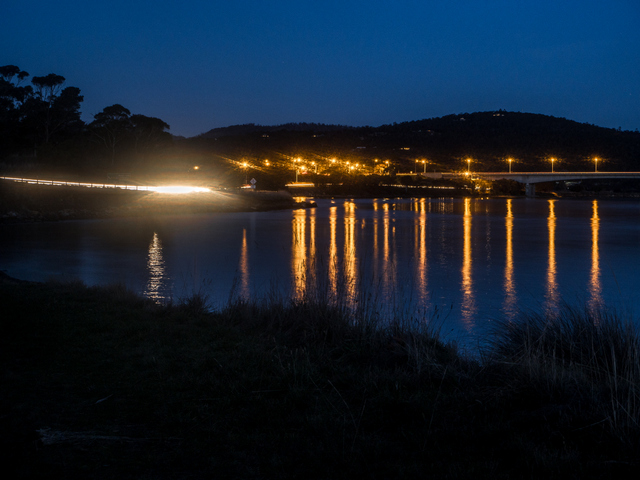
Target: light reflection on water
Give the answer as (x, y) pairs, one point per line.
(474, 259)
(551, 298)
(350, 257)
(244, 267)
(421, 264)
(299, 253)
(468, 299)
(595, 288)
(510, 306)
(156, 288)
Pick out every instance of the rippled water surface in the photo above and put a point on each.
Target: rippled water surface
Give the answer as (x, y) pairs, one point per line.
(466, 261)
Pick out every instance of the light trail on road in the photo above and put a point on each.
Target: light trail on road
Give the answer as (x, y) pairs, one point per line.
(170, 189)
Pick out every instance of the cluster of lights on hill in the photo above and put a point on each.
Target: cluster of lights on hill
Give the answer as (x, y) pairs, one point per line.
(326, 166)
(320, 166)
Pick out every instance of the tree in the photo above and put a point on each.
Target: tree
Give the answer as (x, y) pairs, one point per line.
(111, 126)
(12, 95)
(7, 72)
(38, 113)
(52, 107)
(12, 98)
(148, 132)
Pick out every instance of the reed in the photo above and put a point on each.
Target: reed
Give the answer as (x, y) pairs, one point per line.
(592, 352)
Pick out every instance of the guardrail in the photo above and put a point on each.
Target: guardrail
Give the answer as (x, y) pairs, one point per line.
(141, 188)
(35, 181)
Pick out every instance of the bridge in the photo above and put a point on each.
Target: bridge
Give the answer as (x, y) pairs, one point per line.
(531, 178)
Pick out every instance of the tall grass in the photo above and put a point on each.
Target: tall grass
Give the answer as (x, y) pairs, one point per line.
(592, 352)
(350, 317)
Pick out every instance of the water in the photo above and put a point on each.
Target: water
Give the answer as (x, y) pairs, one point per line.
(466, 262)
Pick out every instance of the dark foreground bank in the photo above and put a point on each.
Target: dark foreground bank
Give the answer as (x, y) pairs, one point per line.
(100, 383)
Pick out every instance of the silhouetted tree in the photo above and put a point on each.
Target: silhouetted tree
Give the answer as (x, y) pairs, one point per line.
(12, 97)
(36, 114)
(111, 127)
(40, 105)
(148, 132)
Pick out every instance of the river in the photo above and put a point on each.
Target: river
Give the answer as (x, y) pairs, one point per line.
(462, 263)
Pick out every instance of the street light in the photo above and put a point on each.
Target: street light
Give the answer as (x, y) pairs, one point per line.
(296, 160)
(468, 166)
(510, 160)
(424, 164)
(596, 160)
(552, 160)
(244, 166)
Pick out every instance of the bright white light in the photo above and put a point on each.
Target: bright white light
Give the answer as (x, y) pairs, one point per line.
(141, 188)
(179, 189)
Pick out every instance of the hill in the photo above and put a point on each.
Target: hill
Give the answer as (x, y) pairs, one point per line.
(489, 138)
(249, 128)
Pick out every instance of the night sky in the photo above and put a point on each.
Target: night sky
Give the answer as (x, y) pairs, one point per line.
(198, 65)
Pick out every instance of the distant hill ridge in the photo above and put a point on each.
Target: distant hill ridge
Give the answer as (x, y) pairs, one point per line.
(247, 128)
(500, 119)
(487, 137)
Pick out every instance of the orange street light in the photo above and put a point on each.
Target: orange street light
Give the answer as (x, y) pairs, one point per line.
(510, 160)
(246, 178)
(552, 160)
(468, 166)
(596, 160)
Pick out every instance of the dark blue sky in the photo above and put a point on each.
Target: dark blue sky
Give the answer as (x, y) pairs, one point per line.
(204, 64)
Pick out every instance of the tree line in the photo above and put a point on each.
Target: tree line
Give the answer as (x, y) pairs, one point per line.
(40, 122)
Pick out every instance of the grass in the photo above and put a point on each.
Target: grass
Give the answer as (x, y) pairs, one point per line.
(100, 383)
(592, 352)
